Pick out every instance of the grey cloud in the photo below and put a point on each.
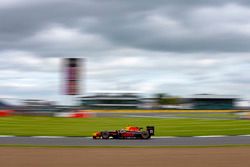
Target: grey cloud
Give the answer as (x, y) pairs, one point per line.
(123, 24)
(177, 46)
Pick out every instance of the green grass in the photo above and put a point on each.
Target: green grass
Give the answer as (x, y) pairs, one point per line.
(50, 126)
(209, 115)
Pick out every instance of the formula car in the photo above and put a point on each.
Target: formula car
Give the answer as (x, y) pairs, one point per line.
(130, 132)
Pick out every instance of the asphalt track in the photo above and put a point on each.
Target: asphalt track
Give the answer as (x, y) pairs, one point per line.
(163, 141)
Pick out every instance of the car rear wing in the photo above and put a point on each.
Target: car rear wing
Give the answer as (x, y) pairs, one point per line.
(151, 130)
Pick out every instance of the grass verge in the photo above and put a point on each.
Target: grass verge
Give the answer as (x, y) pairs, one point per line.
(51, 126)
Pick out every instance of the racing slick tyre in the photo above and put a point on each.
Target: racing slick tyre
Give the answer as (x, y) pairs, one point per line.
(145, 135)
(105, 135)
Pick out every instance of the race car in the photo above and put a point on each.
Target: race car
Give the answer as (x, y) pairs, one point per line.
(130, 132)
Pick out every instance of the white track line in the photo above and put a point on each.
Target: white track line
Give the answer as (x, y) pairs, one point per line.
(245, 135)
(212, 136)
(163, 137)
(48, 137)
(7, 136)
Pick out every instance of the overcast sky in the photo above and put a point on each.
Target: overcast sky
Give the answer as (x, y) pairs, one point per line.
(180, 47)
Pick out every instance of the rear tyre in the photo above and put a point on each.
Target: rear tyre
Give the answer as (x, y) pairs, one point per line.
(105, 135)
(145, 135)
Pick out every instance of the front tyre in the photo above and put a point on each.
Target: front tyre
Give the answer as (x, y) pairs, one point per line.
(105, 135)
(145, 135)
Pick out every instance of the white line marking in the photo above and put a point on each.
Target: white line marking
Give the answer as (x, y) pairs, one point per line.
(212, 136)
(88, 137)
(48, 136)
(7, 136)
(245, 135)
(163, 137)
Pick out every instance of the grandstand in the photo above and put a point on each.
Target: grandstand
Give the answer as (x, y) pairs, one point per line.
(210, 102)
(111, 101)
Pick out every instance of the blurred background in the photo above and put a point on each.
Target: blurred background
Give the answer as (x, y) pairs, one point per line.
(93, 58)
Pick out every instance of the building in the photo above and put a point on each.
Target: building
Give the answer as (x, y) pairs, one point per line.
(134, 101)
(3, 105)
(243, 104)
(149, 103)
(111, 101)
(212, 102)
(36, 105)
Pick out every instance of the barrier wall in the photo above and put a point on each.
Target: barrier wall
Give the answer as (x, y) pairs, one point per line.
(5, 113)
